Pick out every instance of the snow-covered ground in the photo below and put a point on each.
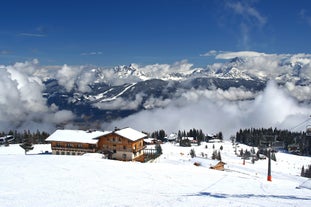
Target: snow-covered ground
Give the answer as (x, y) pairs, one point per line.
(171, 180)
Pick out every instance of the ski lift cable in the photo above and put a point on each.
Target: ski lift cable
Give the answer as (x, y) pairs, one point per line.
(301, 123)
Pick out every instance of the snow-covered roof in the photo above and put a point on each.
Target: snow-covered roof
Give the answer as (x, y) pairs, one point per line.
(79, 136)
(130, 134)
(149, 140)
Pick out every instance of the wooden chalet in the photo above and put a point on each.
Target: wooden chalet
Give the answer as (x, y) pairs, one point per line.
(74, 142)
(123, 144)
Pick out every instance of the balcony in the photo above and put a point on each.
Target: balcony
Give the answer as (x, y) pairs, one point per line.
(138, 149)
(73, 149)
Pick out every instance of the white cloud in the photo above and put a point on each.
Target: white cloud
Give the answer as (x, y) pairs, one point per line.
(231, 55)
(272, 108)
(79, 76)
(22, 105)
(210, 53)
(5, 52)
(303, 14)
(67, 76)
(91, 53)
(248, 12)
(247, 19)
(31, 34)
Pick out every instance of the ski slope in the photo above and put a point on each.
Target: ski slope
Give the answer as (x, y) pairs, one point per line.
(171, 180)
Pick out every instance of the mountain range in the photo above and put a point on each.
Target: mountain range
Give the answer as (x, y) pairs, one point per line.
(124, 90)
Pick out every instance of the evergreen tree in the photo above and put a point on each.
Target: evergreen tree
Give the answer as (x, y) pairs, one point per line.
(219, 156)
(241, 153)
(185, 143)
(192, 153)
(220, 136)
(302, 174)
(214, 155)
(27, 146)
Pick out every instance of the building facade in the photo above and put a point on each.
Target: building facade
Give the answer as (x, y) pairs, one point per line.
(121, 144)
(74, 142)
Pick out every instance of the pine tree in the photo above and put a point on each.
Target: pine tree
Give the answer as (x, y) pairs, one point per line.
(214, 155)
(302, 174)
(220, 136)
(192, 153)
(219, 156)
(26, 146)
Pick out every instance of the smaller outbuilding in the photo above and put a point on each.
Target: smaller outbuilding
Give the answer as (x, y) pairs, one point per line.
(212, 164)
(219, 166)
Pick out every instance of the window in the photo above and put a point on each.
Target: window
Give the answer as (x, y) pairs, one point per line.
(124, 156)
(68, 153)
(63, 153)
(69, 145)
(57, 152)
(114, 151)
(113, 139)
(80, 145)
(124, 147)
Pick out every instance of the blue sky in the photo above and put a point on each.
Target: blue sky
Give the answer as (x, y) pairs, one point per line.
(118, 32)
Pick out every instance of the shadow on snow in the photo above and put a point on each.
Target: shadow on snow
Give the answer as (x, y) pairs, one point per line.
(222, 195)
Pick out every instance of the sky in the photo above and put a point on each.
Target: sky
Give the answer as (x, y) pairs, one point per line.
(121, 32)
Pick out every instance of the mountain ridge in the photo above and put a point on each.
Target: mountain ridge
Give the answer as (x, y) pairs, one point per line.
(125, 90)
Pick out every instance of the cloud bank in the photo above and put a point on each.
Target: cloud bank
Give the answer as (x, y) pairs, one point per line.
(213, 113)
(22, 105)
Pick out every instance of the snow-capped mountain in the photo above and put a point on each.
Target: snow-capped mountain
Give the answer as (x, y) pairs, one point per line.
(124, 90)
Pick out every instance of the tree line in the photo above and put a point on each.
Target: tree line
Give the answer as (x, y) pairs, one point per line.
(26, 136)
(296, 142)
(197, 134)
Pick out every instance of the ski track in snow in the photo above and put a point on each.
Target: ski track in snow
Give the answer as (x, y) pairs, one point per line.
(119, 94)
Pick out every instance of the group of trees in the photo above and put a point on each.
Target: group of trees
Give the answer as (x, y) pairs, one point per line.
(27, 136)
(160, 135)
(261, 137)
(196, 134)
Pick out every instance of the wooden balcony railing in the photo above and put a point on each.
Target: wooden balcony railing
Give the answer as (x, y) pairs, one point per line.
(72, 149)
